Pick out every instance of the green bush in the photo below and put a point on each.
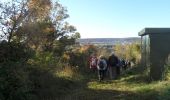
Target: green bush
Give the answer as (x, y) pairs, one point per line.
(14, 81)
(15, 52)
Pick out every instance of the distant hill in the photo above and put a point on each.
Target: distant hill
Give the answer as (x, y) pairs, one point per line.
(108, 41)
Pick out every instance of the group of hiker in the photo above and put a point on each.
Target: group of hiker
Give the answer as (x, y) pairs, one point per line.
(107, 67)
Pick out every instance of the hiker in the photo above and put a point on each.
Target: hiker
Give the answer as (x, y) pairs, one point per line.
(128, 63)
(119, 65)
(101, 66)
(112, 63)
(93, 63)
(124, 63)
(106, 70)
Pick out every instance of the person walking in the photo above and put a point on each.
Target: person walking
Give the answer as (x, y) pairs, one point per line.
(112, 63)
(93, 63)
(101, 66)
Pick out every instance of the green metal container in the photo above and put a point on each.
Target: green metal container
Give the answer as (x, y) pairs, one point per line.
(155, 46)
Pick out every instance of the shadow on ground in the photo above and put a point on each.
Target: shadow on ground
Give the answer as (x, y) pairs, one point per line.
(90, 94)
(83, 92)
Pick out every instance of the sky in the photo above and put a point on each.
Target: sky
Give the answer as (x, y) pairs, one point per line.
(116, 18)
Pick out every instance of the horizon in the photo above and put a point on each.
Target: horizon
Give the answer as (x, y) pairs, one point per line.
(111, 38)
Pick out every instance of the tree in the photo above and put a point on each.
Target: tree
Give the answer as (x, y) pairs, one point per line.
(51, 32)
(12, 15)
(38, 23)
(39, 9)
(76, 35)
(19, 12)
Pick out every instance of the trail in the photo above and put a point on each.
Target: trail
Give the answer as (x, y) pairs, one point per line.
(107, 89)
(129, 86)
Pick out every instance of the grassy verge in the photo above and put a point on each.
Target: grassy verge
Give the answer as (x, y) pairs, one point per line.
(132, 85)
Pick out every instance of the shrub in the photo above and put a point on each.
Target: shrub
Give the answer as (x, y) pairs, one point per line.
(14, 79)
(130, 52)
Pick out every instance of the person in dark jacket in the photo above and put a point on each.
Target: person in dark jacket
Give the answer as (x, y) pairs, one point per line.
(112, 63)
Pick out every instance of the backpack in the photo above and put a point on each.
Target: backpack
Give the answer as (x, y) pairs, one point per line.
(94, 61)
(101, 64)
